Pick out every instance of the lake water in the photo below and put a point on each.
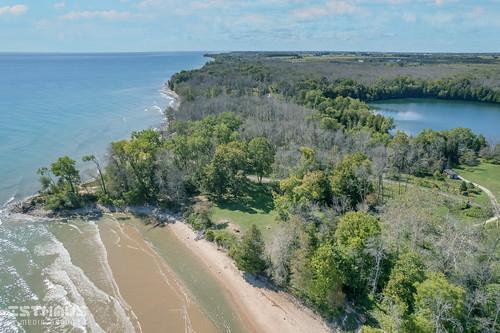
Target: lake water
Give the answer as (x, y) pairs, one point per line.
(414, 115)
(59, 104)
(56, 104)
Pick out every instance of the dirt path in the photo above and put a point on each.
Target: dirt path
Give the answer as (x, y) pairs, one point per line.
(493, 199)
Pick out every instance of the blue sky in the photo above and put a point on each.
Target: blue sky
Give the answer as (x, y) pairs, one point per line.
(222, 25)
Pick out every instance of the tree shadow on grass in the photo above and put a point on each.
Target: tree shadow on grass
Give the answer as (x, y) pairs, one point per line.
(257, 198)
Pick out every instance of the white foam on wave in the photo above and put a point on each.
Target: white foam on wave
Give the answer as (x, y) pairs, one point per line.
(69, 285)
(3, 208)
(23, 290)
(154, 108)
(62, 291)
(8, 323)
(13, 286)
(169, 95)
(157, 108)
(11, 199)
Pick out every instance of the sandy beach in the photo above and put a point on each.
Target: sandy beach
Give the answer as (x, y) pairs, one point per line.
(266, 310)
(156, 297)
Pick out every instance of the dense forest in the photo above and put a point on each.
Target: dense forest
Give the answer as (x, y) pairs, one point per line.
(365, 260)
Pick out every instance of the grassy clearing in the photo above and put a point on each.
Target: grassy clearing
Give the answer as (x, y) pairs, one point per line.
(451, 187)
(485, 174)
(444, 198)
(256, 207)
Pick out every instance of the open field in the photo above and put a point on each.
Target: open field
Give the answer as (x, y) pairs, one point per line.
(485, 174)
(444, 198)
(368, 67)
(257, 207)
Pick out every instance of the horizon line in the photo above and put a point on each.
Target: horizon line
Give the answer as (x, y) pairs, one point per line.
(248, 51)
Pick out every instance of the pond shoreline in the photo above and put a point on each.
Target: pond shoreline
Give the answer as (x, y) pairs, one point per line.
(412, 115)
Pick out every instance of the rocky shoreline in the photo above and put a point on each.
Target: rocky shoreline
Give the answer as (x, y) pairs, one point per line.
(33, 207)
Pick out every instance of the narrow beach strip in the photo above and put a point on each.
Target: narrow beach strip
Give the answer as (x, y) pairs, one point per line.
(266, 310)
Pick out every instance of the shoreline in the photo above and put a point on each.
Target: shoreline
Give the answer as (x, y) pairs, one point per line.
(266, 310)
(18, 205)
(164, 304)
(172, 96)
(261, 309)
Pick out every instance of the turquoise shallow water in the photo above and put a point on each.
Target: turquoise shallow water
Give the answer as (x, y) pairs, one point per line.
(75, 104)
(414, 115)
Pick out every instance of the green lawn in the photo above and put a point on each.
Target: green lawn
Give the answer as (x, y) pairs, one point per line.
(256, 207)
(485, 174)
(443, 198)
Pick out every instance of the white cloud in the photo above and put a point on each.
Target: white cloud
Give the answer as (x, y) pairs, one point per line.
(474, 15)
(329, 8)
(103, 14)
(13, 10)
(59, 5)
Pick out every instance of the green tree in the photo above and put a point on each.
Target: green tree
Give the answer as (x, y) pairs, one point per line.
(131, 171)
(226, 173)
(439, 305)
(60, 184)
(354, 229)
(300, 263)
(261, 155)
(326, 286)
(68, 174)
(399, 157)
(312, 189)
(407, 272)
(352, 236)
(350, 181)
(249, 254)
(46, 180)
(92, 158)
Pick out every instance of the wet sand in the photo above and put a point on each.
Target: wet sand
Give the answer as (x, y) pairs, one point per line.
(148, 285)
(265, 309)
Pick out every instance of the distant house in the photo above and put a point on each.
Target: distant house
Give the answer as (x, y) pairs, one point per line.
(450, 173)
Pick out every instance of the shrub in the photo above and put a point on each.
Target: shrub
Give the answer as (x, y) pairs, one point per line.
(438, 175)
(200, 216)
(477, 212)
(63, 200)
(225, 239)
(209, 235)
(463, 186)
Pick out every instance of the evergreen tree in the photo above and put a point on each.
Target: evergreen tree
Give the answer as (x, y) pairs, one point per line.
(249, 254)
